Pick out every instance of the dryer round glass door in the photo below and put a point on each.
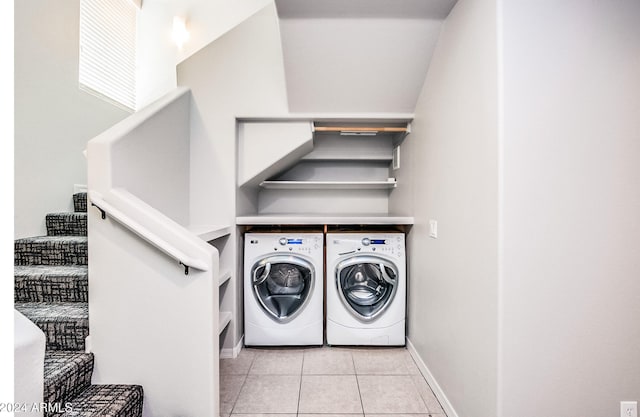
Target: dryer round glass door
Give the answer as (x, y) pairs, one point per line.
(282, 284)
(367, 285)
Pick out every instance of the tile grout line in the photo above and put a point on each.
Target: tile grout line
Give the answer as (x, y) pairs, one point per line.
(355, 372)
(243, 384)
(244, 381)
(300, 387)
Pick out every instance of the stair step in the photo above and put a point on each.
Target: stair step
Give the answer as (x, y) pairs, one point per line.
(80, 202)
(107, 401)
(44, 283)
(65, 325)
(51, 250)
(66, 224)
(66, 374)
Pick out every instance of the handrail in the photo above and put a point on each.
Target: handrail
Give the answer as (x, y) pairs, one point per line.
(146, 234)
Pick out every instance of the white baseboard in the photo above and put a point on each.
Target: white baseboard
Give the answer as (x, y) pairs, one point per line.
(437, 390)
(231, 353)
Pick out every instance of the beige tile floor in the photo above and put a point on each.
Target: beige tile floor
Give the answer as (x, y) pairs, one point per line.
(325, 382)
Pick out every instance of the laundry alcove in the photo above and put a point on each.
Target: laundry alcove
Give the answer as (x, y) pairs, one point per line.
(313, 167)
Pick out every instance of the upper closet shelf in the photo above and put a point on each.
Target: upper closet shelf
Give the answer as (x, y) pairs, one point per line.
(330, 185)
(397, 132)
(359, 130)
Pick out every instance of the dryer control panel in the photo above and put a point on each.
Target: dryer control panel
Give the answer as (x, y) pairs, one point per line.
(292, 243)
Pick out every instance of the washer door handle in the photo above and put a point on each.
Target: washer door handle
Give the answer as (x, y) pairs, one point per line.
(257, 281)
(386, 276)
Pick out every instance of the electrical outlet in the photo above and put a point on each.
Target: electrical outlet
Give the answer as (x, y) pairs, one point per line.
(628, 409)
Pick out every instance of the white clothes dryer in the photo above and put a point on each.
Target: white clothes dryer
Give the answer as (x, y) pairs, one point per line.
(283, 289)
(366, 289)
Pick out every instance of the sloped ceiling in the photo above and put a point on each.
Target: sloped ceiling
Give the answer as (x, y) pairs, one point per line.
(358, 56)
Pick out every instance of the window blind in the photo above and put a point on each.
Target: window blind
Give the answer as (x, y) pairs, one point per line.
(107, 65)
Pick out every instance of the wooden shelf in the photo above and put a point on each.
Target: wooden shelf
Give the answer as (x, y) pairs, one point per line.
(329, 185)
(359, 129)
(224, 277)
(224, 320)
(398, 133)
(210, 232)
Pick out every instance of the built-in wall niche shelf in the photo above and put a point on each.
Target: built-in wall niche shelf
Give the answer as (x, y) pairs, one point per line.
(360, 130)
(396, 131)
(224, 277)
(367, 142)
(224, 320)
(329, 185)
(210, 232)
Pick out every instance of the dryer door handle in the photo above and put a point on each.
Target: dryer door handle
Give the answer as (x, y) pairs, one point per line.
(258, 281)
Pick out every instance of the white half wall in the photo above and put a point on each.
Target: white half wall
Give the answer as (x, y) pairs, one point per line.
(571, 287)
(53, 118)
(153, 322)
(453, 280)
(28, 357)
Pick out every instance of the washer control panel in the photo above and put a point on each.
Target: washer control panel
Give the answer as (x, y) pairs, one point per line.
(391, 245)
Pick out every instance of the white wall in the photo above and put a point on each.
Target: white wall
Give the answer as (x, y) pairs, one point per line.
(359, 65)
(208, 20)
(157, 152)
(358, 56)
(53, 118)
(571, 287)
(6, 179)
(158, 54)
(240, 74)
(453, 280)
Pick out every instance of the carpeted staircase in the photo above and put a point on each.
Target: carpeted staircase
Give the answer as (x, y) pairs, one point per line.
(51, 289)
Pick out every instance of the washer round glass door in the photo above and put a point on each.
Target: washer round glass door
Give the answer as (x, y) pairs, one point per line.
(282, 284)
(366, 284)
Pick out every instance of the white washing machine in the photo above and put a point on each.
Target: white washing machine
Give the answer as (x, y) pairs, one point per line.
(283, 289)
(366, 289)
